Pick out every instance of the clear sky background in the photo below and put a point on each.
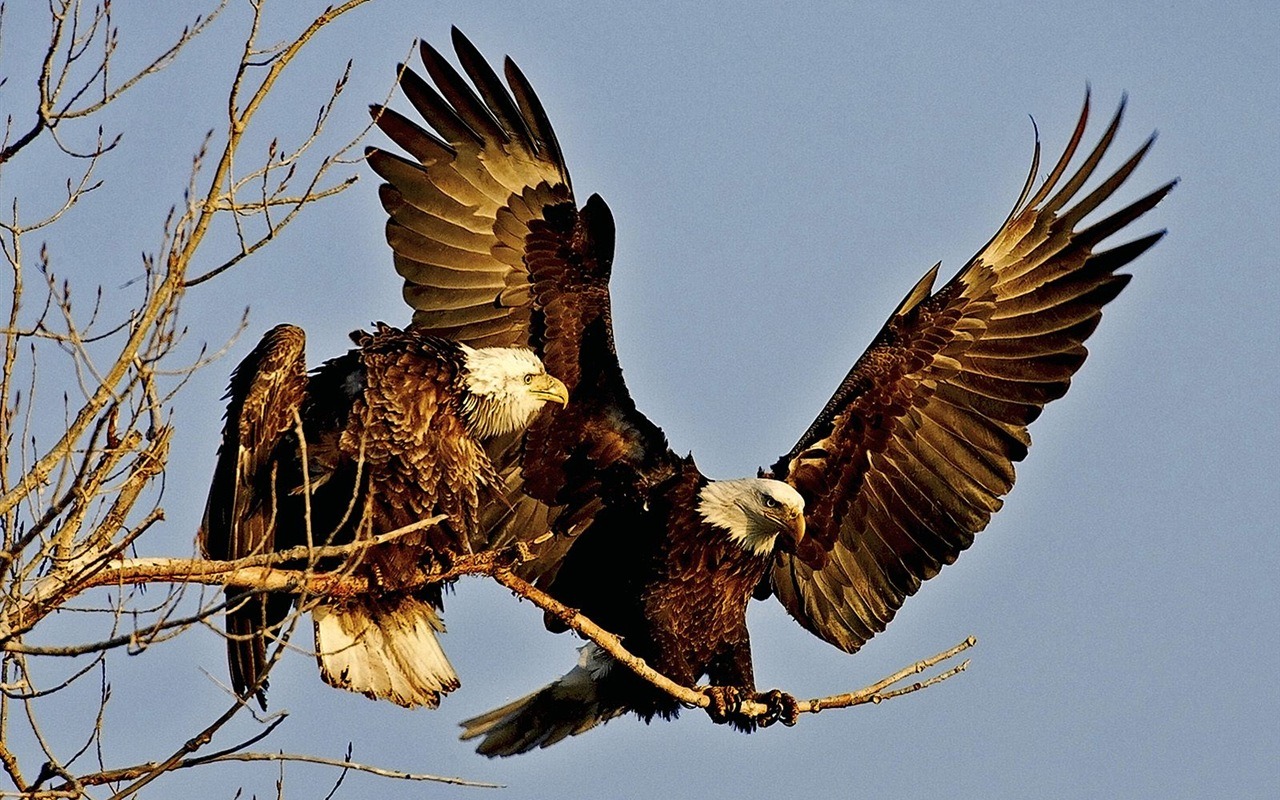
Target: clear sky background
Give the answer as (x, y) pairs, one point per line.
(780, 176)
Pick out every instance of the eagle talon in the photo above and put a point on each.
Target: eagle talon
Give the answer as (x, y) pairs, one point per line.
(726, 703)
(782, 707)
(436, 562)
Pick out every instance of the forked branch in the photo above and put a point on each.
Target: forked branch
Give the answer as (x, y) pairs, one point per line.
(264, 573)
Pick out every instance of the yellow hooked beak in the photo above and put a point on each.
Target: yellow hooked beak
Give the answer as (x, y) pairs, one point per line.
(793, 526)
(797, 528)
(548, 388)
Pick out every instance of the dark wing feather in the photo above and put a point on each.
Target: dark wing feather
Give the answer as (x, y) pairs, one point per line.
(913, 454)
(494, 251)
(463, 268)
(266, 392)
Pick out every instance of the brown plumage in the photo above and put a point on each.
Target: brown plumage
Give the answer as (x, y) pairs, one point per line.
(899, 471)
(393, 433)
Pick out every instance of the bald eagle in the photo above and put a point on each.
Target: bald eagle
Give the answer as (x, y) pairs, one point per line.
(897, 473)
(391, 433)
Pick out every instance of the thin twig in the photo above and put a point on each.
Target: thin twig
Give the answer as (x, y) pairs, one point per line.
(130, 773)
(876, 692)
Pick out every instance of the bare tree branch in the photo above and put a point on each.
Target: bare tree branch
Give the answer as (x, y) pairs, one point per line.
(130, 773)
(695, 696)
(495, 564)
(71, 48)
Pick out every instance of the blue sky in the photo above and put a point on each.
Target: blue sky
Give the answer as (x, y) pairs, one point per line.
(780, 176)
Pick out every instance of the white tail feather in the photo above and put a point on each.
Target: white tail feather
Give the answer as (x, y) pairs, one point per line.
(386, 649)
(563, 708)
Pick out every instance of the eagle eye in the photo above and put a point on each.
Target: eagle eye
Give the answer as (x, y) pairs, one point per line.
(770, 502)
(528, 379)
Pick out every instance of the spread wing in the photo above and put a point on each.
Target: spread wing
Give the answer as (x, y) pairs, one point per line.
(911, 457)
(266, 391)
(495, 251)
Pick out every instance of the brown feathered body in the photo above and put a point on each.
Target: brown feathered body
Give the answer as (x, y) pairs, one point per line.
(403, 443)
(673, 587)
(385, 444)
(897, 474)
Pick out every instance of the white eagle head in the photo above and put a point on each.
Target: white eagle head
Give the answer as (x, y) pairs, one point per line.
(755, 511)
(506, 386)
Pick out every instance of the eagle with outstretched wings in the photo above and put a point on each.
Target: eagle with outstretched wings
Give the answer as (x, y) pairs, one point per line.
(898, 472)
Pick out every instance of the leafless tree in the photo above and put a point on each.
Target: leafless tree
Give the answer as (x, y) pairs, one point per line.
(90, 374)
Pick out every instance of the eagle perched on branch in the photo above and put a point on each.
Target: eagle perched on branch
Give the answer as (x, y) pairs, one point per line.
(904, 465)
(392, 433)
